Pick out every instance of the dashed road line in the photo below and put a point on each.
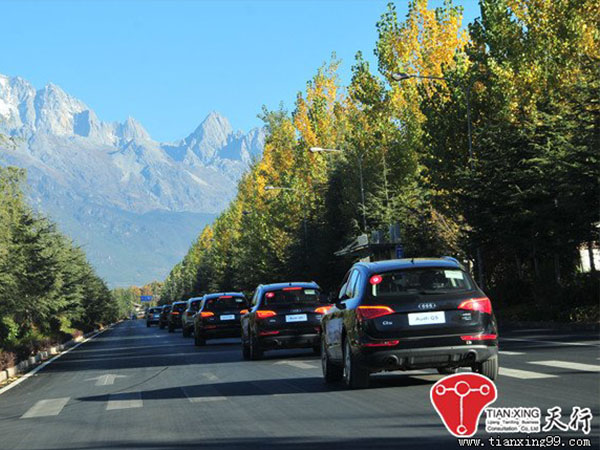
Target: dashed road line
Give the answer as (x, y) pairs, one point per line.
(47, 407)
(507, 353)
(524, 374)
(204, 398)
(124, 400)
(568, 365)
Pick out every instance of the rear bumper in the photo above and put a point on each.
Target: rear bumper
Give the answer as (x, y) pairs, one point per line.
(426, 358)
(151, 321)
(290, 341)
(222, 332)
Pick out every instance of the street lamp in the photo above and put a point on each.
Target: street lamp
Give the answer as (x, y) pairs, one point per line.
(281, 188)
(401, 76)
(360, 171)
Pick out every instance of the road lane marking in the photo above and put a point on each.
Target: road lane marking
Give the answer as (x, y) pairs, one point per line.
(203, 398)
(48, 407)
(568, 365)
(507, 353)
(105, 380)
(124, 400)
(41, 366)
(297, 364)
(524, 374)
(210, 376)
(584, 344)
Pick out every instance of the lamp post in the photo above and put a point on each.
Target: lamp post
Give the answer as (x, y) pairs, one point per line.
(281, 188)
(405, 76)
(360, 171)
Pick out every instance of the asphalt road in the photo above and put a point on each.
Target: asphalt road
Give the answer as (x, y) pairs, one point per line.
(134, 387)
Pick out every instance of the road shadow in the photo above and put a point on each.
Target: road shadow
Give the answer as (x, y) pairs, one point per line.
(269, 387)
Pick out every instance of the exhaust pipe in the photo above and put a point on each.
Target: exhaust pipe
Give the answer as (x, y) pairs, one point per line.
(471, 356)
(392, 361)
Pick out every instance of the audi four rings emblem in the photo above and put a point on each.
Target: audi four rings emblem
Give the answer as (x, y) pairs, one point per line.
(427, 305)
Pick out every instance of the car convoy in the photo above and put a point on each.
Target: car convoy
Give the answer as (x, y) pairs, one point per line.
(405, 314)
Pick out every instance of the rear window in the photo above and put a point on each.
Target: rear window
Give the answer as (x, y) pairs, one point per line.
(167, 308)
(195, 304)
(153, 310)
(179, 307)
(429, 280)
(226, 302)
(291, 294)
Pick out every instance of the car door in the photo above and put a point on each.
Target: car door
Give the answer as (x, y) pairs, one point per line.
(247, 318)
(335, 320)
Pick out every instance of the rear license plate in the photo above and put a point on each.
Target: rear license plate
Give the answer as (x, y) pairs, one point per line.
(427, 318)
(296, 318)
(228, 317)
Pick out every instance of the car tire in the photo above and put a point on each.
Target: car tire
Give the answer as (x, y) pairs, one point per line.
(171, 329)
(331, 372)
(256, 352)
(488, 368)
(316, 349)
(147, 324)
(355, 375)
(447, 370)
(185, 331)
(162, 326)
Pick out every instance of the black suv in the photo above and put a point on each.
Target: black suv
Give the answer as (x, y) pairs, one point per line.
(283, 315)
(177, 310)
(152, 315)
(164, 316)
(408, 314)
(219, 316)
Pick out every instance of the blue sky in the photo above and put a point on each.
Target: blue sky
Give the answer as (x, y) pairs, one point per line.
(169, 63)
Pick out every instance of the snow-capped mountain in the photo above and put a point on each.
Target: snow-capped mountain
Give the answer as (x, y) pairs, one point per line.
(77, 162)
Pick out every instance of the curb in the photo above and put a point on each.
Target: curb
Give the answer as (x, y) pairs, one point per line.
(54, 352)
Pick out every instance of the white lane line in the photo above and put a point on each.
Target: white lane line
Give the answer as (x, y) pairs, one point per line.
(524, 374)
(568, 365)
(205, 398)
(124, 400)
(297, 364)
(584, 344)
(430, 377)
(48, 407)
(41, 366)
(507, 353)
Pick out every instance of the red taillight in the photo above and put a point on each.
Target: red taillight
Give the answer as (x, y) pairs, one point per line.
(270, 294)
(175, 313)
(371, 312)
(264, 314)
(480, 337)
(244, 311)
(322, 309)
(292, 288)
(268, 333)
(375, 279)
(482, 304)
(225, 296)
(381, 344)
(210, 327)
(207, 314)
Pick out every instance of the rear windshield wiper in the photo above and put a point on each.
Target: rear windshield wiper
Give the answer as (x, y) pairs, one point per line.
(432, 292)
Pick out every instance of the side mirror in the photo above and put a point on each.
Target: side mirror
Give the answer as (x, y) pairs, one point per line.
(340, 305)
